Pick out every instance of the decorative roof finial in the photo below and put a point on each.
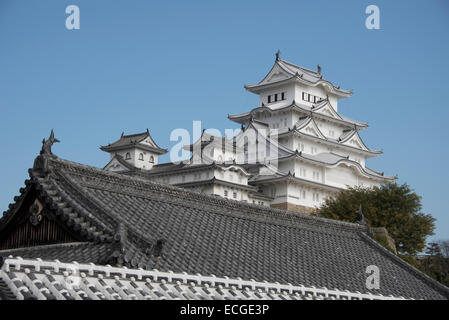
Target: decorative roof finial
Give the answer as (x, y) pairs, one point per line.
(277, 55)
(361, 220)
(47, 144)
(319, 69)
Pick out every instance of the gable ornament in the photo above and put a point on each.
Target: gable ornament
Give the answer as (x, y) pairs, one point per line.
(47, 144)
(35, 211)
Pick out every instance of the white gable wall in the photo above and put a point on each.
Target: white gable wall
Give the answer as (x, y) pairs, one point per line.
(289, 96)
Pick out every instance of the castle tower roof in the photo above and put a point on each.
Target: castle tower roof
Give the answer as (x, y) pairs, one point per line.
(141, 140)
(284, 72)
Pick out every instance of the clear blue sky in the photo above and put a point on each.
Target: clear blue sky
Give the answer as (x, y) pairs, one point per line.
(163, 64)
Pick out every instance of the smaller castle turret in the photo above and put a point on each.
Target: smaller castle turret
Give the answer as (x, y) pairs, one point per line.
(133, 151)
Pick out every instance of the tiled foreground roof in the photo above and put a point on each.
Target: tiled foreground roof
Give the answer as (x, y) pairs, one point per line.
(45, 280)
(128, 221)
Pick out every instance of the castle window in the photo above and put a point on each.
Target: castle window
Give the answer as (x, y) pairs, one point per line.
(310, 98)
(234, 195)
(152, 159)
(141, 156)
(226, 193)
(276, 97)
(128, 156)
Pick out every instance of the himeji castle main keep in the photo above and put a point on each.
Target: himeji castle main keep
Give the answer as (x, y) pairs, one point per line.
(294, 149)
(230, 222)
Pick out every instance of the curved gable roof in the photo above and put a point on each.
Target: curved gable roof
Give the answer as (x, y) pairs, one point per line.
(309, 123)
(141, 140)
(289, 72)
(243, 117)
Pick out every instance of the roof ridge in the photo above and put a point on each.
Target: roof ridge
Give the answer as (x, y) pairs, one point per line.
(134, 134)
(300, 67)
(334, 141)
(167, 189)
(314, 158)
(294, 103)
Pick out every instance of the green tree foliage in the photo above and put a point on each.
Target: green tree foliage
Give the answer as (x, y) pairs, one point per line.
(393, 206)
(433, 250)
